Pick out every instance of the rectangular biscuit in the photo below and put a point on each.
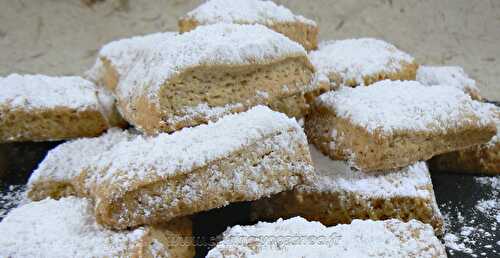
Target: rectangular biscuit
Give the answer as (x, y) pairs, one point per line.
(241, 157)
(58, 175)
(393, 124)
(267, 13)
(214, 70)
(67, 228)
(448, 75)
(363, 61)
(478, 159)
(43, 108)
(339, 195)
(297, 237)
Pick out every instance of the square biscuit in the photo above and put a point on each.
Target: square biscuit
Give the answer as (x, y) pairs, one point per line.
(43, 108)
(297, 237)
(212, 71)
(67, 228)
(339, 195)
(267, 13)
(360, 62)
(241, 157)
(393, 124)
(448, 75)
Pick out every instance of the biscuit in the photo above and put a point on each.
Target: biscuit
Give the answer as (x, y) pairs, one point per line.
(67, 228)
(58, 174)
(393, 124)
(479, 159)
(364, 61)
(116, 58)
(43, 108)
(242, 157)
(448, 75)
(339, 195)
(297, 237)
(212, 71)
(267, 13)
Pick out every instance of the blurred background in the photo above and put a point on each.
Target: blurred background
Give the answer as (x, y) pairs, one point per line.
(62, 37)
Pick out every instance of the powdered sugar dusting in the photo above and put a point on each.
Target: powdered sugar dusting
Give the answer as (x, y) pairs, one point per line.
(297, 237)
(64, 228)
(218, 44)
(446, 75)
(65, 162)
(204, 111)
(13, 197)
(44, 92)
(244, 12)
(354, 59)
(337, 176)
(150, 158)
(387, 106)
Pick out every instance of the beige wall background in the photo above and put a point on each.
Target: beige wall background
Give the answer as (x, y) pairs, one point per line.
(62, 37)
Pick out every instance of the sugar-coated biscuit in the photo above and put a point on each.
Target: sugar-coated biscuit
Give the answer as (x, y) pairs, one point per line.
(393, 124)
(297, 237)
(339, 195)
(267, 13)
(212, 71)
(454, 76)
(363, 61)
(44, 108)
(67, 228)
(241, 157)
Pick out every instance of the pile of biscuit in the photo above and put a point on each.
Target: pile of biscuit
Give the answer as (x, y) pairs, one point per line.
(329, 142)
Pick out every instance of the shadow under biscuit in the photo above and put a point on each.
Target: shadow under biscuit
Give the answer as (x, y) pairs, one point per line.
(19, 159)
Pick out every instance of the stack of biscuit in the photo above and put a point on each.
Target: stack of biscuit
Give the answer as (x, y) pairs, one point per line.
(243, 104)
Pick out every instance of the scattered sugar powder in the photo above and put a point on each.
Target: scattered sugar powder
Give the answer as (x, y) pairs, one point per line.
(11, 198)
(42, 92)
(387, 106)
(446, 75)
(152, 158)
(299, 238)
(354, 59)
(466, 234)
(245, 12)
(64, 228)
(218, 44)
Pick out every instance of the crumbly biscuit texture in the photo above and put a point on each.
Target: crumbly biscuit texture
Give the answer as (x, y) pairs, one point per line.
(218, 44)
(245, 12)
(448, 75)
(354, 62)
(56, 174)
(339, 194)
(389, 106)
(67, 228)
(361, 238)
(241, 157)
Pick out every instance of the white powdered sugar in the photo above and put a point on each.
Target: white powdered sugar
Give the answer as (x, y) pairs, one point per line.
(203, 110)
(11, 198)
(148, 159)
(296, 237)
(219, 44)
(45, 92)
(65, 162)
(244, 12)
(337, 176)
(123, 53)
(388, 106)
(446, 75)
(64, 228)
(354, 59)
